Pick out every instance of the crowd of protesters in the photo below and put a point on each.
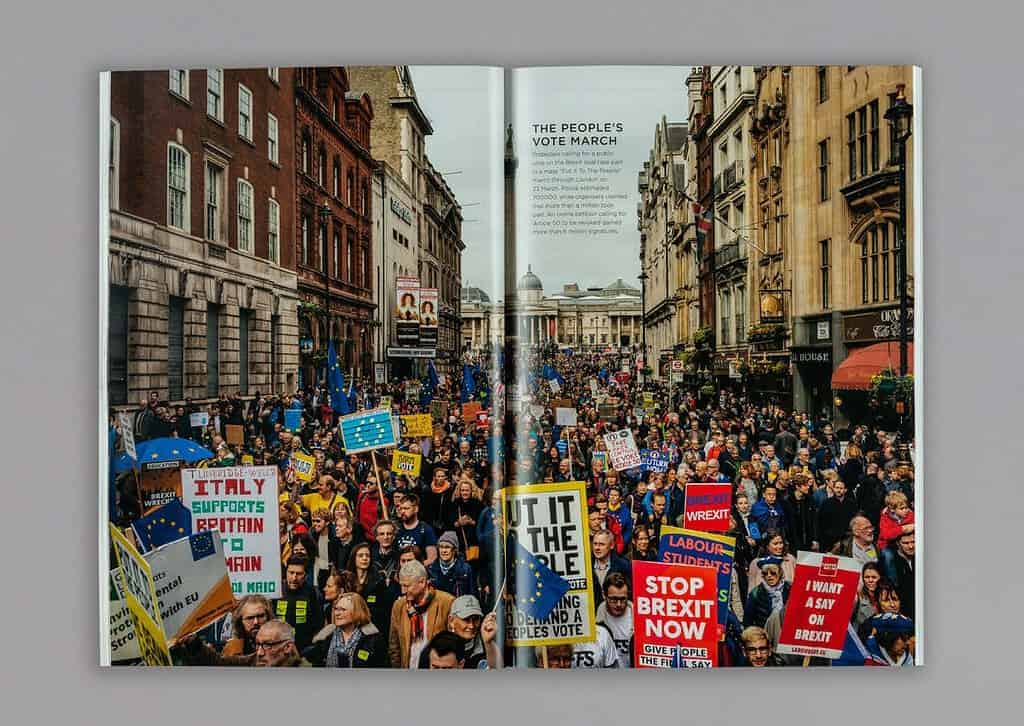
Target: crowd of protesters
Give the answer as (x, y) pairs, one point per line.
(386, 570)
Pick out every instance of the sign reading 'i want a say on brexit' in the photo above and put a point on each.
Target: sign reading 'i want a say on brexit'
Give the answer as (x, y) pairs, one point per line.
(368, 430)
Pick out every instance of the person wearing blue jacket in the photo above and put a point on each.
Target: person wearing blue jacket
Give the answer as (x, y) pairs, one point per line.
(767, 513)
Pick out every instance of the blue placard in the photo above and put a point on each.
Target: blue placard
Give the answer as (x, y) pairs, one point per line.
(654, 460)
(704, 549)
(293, 420)
(368, 430)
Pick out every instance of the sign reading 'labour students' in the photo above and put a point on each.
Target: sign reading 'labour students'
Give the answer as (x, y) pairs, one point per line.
(675, 613)
(368, 430)
(550, 522)
(707, 507)
(703, 549)
(820, 604)
(654, 460)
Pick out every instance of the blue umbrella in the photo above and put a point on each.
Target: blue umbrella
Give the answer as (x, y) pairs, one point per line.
(157, 451)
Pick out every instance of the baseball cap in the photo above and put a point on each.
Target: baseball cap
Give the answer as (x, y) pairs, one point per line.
(466, 606)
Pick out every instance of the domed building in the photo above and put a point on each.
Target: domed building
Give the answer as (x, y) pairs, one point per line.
(481, 320)
(529, 288)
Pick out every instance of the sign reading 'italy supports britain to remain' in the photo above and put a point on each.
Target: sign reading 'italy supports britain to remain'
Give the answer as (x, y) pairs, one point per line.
(240, 502)
(368, 430)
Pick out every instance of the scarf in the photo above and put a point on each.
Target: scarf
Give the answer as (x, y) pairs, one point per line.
(415, 613)
(775, 593)
(339, 648)
(446, 570)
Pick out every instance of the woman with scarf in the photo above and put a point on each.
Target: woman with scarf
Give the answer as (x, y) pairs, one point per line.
(351, 640)
(769, 596)
(773, 544)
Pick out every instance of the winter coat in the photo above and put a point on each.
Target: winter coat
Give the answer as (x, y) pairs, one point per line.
(834, 519)
(759, 605)
(457, 581)
(400, 635)
(370, 652)
(890, 528)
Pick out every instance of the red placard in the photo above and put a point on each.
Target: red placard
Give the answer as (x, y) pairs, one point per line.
(675, 615)
(820, 604)
(707, 507)
(470, 410)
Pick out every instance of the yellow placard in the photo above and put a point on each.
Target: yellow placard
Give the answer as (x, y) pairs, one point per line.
(304, 466)
(247, 460)
(417, 426)
(143, 605)
(402, 462)
(385, 402)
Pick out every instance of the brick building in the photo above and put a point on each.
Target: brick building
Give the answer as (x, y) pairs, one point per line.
(332, 227)
(202, 271)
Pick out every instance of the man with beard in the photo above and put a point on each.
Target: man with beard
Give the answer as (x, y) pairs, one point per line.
(249, 616)
(300, 604)
(276, 648)
(412, 531)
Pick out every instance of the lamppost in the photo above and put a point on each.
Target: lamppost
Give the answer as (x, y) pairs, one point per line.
(643, 277)
(899, 117)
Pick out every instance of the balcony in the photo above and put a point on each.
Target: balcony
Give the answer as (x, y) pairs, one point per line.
(734, 252)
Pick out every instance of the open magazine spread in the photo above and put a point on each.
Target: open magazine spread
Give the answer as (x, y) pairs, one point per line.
(430, 367)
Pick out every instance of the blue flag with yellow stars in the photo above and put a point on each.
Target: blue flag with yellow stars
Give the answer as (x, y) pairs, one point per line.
(169, 523)
(336, 382)
(538, 588)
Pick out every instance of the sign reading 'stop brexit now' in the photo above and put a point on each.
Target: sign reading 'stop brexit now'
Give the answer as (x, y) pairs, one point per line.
(368, 430)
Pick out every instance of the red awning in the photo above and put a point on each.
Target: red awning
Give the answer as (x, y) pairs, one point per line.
(855, 372)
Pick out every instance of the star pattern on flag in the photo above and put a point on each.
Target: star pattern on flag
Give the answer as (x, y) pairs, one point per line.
(538, 585)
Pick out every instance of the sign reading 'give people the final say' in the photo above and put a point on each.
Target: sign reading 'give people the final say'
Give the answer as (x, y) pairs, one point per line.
(240, 502)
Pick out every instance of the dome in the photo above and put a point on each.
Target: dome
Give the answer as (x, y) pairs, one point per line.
(474, 294)
(619, 287)
(529, 281)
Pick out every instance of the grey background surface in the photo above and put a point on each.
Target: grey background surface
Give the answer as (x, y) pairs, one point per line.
(48, 134)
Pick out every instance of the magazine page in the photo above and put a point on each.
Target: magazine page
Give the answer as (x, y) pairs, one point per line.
(716, 450)
(301, 310)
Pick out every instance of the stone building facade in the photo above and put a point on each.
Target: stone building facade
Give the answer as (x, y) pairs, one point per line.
(482, 322)
(440, 264)
(202, 297)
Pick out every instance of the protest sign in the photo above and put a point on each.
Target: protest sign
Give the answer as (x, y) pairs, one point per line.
(385, 402)
(675, 616)
(482, 419)
(378, 373)
(703, 549)
(550, 522)
(707, 507)
(304, 465)
(819, 606)
(123, 645)
(622, 450)
(593, 387)
(234, 434)
(602, 458)
(192, 583)
(199, 420)
(293, 420)
(654, 460)
(556, 388)
(247, 460)
(417, 426)
(140, 596)
(608, 411)
(438, 410)
(469, 410)
(368, 430)
(157, 487)
(648, 401)
(402, 462)
(124, 423)
(240, 502)
(565, 416)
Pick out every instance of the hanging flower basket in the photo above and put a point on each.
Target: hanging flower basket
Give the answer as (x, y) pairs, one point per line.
(765, 332)
(702, 337)
(887, 383)
(707, 390)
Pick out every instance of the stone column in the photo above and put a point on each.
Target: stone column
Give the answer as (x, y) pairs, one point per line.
(194, 375)
(147, 337)
(229, 339)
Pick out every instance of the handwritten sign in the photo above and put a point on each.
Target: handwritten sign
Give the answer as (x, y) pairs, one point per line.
(622, 450)
(565, 416)
(417, 426)
(304, 465)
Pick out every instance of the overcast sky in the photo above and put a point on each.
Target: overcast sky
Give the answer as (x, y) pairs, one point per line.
(457, 100)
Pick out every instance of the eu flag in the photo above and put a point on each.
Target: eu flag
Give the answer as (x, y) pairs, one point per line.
(336, 382)
(169, 523)
(550, 374)
(538, 588)
(468, 383)
(432, 382)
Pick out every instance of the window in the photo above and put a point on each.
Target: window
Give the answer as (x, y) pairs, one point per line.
(364, 199)
(823, 185)
(851, 145)
(305, 239)
(244, 221)
(873, 132)
(351, 244)
(350, 182)
(726, 316)
(336, 179)
(214, 201)
(272, 137)
(321, 167)
(244, 112)
(175, 347)
(273, 231)
(764, 159)
(364, 274)
(212, 349)
(117, 344)
(306, 141)
(178, 162)
(777, 150)
(863, 140)
(723, 96)
(824, 254)
(737, 76)
(113, 162)
(877, 263)
(779, 239)
(822, 84)
(337, 253)
(215, 93)
(741, 317)
(178, 83)
(274, 73)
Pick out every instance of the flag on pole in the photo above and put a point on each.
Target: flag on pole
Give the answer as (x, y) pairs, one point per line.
(336, 382)
(468, 383)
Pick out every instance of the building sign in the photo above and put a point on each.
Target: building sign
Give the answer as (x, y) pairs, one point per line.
(771, 307)
(403, 212)
(823, 331)
(428, 316)
(407, 311)
(876, 325)
(411, 352)
(813, 355)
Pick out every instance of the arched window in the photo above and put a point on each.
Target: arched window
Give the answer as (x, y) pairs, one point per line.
(878, 262)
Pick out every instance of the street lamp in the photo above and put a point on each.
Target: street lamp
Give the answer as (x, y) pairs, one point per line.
(899, 117)
(643, 277)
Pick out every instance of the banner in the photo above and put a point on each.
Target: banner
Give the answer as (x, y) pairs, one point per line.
(707, 507)
(368, 430)
(819, 606)
(428, 317)
(123, 645)
(124, 423)
(234, 434)
(402, 462)
(675, 616)
(550, 522)
(654, 460)
(702, 549)
(140, 595)
(240, 502)
(303, 464)
(199, 420)
(407, 311)
(622, 450)
(192, 583)
(565, 416)
(417, 426)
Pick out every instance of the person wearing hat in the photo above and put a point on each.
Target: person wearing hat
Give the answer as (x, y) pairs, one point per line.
(892, 643)
(450, 572)
(770, 595)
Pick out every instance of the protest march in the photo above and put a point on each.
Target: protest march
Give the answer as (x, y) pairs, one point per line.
(617, 525)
